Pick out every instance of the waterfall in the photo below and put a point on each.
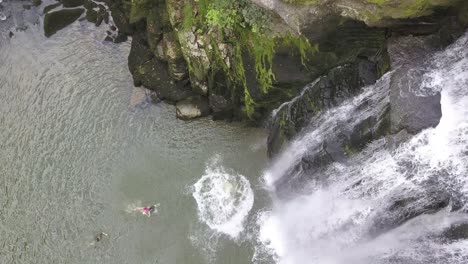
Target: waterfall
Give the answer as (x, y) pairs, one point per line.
(406, 204)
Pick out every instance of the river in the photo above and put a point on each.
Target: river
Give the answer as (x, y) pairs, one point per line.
(76, 157)
(79, 153)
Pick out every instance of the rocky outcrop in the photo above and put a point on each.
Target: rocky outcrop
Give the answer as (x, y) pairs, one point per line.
(55, 21)
(327, 91)
(317, 15)
(247, 57)
(413, 107)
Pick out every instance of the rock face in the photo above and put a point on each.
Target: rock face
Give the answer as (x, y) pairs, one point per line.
(327, 91)
(413, 108)
(306, 15)
(192, 107)
(57, 20)
(248, 57)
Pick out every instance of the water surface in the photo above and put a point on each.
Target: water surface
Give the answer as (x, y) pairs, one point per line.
(75, 157)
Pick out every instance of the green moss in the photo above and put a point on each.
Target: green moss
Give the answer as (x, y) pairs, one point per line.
(415, 8)
(314, 104)
(239, 28)
(348, 150)
(371, 16)
(189, 18)
(139, 9)
(379, 2)
(263, 49)
(302, 44)
(282, 122)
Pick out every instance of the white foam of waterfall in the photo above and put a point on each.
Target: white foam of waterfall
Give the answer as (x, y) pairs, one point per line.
(361, 212)
(224, 199)
(349, 113)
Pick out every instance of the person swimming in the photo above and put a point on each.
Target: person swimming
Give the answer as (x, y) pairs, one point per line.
(147, 210)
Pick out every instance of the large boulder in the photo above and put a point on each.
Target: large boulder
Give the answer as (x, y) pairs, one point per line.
(151, 72)
(413, 107)
(327, 91)
(55, 21)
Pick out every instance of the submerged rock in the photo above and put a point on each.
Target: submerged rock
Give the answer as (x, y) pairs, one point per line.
(140, 98)
(407, 205)
(192, 107)
(55, 21)
(37, 2)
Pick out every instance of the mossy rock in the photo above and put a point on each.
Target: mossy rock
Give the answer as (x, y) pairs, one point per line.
(155, 25)
(154, 75)
(72, 3)
(97, 14)
(139, 10)
(48, 8)
(55, 21)
(388, 12)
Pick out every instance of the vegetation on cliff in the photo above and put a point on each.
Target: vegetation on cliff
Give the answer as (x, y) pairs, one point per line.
(242, 57)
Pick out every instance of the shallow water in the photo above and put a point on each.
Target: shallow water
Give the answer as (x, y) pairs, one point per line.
(74, 157)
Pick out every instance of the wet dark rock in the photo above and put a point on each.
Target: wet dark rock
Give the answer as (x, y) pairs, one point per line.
(152, 73)
(154, 30)
(97, 14)
(177, 66)
(120, 19)
(456, 232)
(72, 3)
(37, 2)
(192, 107)
(413, 107)
(55, 21)
(407, 205)
(330, 90)
(50, 7)
(395, 140)
(223, 98)
(140, 52)
(120, 38)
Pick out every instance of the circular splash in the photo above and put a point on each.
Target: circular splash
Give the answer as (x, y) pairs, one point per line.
(224, 200)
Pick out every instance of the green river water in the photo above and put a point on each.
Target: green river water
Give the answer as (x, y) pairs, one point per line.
(75, 158)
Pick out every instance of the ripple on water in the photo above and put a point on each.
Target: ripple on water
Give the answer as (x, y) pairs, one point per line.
(224, 199)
